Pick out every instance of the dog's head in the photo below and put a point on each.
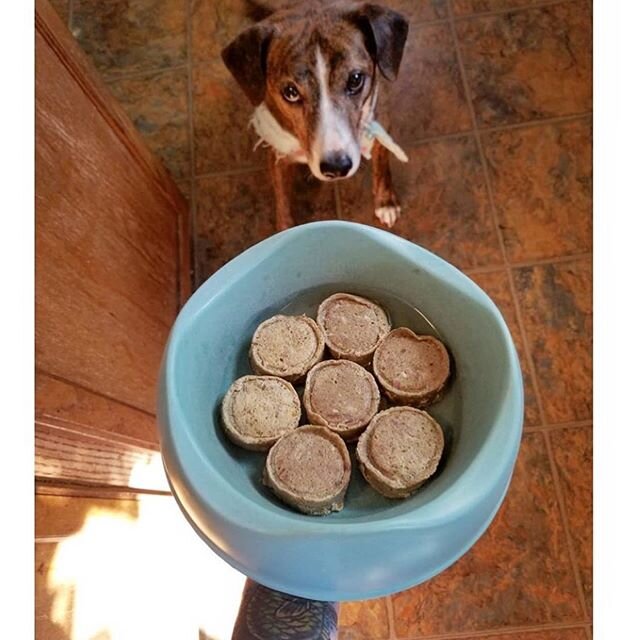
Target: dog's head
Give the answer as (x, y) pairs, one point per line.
(315, 67)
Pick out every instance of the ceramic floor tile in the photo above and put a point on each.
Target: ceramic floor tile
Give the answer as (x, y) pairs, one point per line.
(157, 106)
(556, 305)
(221, 112)
(214, 24)
(427, 99)
(311, 199)
(232, 213)
(542, 185)
(419, 10)
(364, 620)
(573, 452)
(517, 574)
(466, 7)
(497, 287)
(444, 198)
(528, 65)
(556, 634)
(124, 36)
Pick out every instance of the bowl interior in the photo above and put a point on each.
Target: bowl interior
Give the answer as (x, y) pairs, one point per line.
(211, 349)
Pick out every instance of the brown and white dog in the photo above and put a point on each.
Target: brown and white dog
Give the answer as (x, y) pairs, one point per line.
(312, 71)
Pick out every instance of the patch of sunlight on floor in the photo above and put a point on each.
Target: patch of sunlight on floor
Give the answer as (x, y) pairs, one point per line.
(150, 576)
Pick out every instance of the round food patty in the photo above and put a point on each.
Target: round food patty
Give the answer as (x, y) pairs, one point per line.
(342, 396)
(286, 346)
(353, 326)
(411, 369)
(400, 450)
(257, 410)
(309, 469)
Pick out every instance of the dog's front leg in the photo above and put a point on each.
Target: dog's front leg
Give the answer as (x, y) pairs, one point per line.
(281, 176)
(387, 207)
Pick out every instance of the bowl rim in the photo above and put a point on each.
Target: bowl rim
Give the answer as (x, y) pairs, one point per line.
(185, 461)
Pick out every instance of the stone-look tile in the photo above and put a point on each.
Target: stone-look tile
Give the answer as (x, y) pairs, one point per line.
(556, 305)
(444, 199)
(214, 24)
(497, 287)
(419, 10)
(466, 7)
(232, 213)
(528, 64)
(518, 574)
(427, 98)
(125, 36)
(542, 185)
(311, 199)
(573, 452)
(364, 620)
(62, 9)
(223, 139)
(157, 106)
(555, 634)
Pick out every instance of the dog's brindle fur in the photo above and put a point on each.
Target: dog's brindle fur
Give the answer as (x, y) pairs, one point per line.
(316, 46)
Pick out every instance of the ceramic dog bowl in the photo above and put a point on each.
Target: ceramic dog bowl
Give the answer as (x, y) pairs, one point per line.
(375, 546)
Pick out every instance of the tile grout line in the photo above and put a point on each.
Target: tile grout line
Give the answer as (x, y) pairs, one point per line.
(575, 257)
(498, 12)
(390, 618)
(229, 172)
(487, 634)
(570, 117)
(494, 214)
(192, 161)
(70, 15)
(565, 524)
(440, 137)
(427, 22)
(134, 75)
(337, 201)
(529, 124)
(558, 426)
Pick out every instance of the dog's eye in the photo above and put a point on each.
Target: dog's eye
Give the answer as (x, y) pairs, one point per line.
(290, 93)
(355, 82)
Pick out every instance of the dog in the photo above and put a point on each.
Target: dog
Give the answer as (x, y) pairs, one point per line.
(313, 72)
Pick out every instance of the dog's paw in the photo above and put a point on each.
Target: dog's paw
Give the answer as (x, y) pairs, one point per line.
(388, 215)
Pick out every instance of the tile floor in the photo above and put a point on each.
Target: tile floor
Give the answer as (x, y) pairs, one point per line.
(494, 106)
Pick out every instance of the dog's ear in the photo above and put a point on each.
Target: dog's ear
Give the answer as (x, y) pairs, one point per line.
(246, 59)
(385, 33)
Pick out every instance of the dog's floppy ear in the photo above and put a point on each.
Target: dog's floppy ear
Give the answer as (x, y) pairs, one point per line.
(385, 33)
(246, 59)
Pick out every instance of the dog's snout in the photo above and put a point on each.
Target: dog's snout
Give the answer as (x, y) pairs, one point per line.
(336, 165)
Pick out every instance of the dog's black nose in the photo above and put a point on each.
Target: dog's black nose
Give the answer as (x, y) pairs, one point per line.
(337, 165)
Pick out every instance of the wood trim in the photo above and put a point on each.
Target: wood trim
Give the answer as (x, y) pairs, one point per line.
(67, 405)
(80, 457)
(50, 26)
(46, 487)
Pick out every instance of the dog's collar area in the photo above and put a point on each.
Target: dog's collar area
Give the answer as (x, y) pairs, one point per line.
(271, 134)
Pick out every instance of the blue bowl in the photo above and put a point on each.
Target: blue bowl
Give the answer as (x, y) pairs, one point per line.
(375, 546)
